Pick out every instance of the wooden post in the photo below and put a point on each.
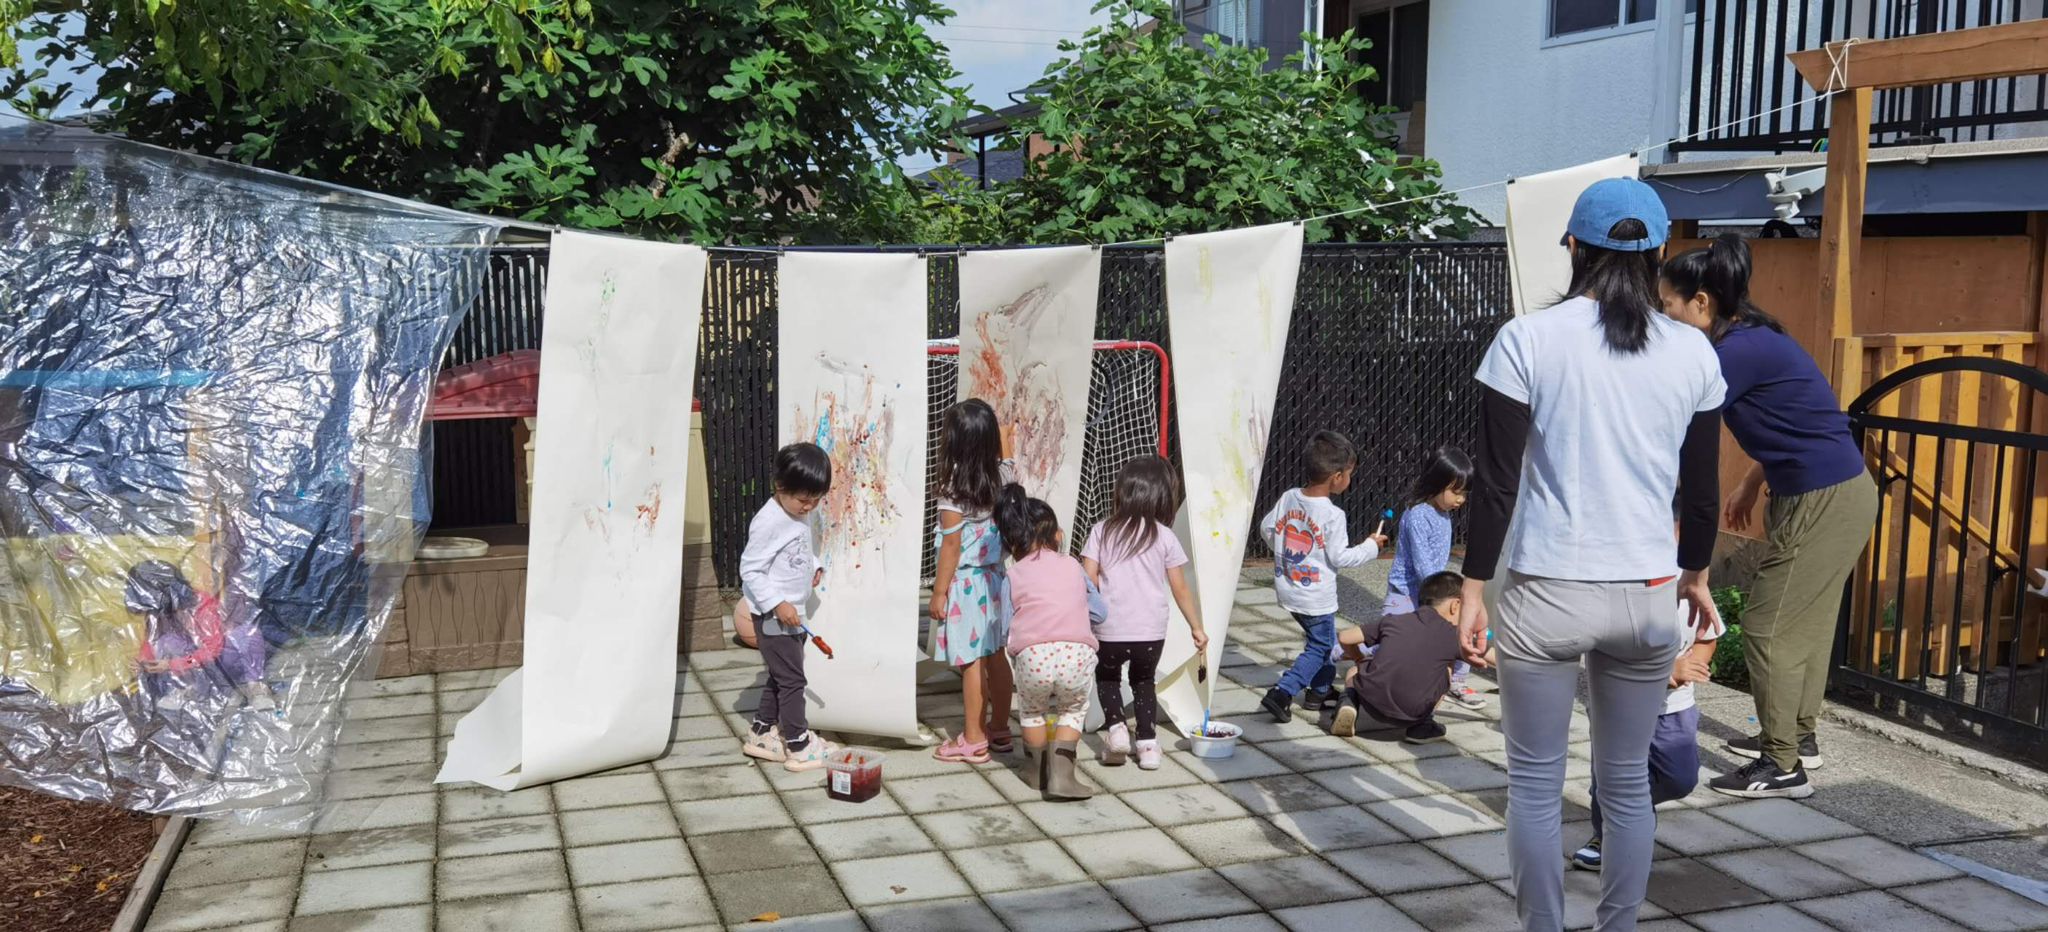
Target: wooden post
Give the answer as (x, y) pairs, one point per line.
(1842, 218)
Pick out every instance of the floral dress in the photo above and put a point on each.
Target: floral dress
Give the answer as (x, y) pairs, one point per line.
(977, 621)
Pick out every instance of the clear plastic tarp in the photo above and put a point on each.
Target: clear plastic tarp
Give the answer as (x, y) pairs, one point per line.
(213, 382)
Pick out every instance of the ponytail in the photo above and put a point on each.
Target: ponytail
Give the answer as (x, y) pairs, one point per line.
(1623, 283)
(1027, 524)
(1721, 270)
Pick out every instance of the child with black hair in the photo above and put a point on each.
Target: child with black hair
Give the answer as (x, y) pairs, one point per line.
(1404, 664)
(970, 587)
(778, 570)
(1051, 643)
(1310, 543)
(1423, 545)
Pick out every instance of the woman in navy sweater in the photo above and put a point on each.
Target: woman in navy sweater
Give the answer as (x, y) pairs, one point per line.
(1823, 503)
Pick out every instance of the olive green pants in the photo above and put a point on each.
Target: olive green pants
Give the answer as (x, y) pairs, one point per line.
(1788, 632)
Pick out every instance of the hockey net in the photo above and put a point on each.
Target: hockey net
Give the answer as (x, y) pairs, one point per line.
(1127, 394)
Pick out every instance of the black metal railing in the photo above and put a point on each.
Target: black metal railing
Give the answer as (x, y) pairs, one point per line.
(1382, 346)
(1745, 95)
(1938, 619)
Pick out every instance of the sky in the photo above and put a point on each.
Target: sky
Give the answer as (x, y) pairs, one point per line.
(1001, 46)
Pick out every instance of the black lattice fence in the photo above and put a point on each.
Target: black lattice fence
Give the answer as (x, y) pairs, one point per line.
(1384, 340)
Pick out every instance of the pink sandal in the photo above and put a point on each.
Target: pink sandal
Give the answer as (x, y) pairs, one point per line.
(957, 750)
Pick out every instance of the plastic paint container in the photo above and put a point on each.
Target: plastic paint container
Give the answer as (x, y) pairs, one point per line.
(1219, 742)
(853, 775)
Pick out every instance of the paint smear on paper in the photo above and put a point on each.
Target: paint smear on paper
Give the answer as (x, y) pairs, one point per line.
(856, 436)
(1033, 403)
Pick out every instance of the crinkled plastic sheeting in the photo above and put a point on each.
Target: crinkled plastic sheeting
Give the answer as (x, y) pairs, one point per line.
(212, 386)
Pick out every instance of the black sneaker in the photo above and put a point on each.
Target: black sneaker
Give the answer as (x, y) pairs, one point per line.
(1761, 779)
(1317, 701)
(1424, 733)
(1278, 704)
(1752, 747)
(1588, 857)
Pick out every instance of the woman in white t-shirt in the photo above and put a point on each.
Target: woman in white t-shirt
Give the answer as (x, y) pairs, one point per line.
(1595, 412)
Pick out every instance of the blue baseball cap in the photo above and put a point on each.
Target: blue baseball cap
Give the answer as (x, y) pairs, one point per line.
(1609, 201)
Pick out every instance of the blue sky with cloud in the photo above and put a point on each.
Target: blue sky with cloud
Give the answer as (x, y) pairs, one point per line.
(1001, 46)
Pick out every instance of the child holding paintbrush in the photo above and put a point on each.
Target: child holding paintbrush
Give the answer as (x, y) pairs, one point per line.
(778, 570)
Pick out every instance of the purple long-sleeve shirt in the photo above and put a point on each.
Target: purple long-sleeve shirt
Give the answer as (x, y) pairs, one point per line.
(1421, 549)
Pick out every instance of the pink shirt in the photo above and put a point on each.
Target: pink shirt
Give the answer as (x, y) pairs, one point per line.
(1134, 585)
(1048, 601)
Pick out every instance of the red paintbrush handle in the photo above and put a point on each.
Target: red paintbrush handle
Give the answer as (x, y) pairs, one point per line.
(822, 646)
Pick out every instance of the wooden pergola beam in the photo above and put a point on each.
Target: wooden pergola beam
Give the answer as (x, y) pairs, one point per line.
(1933, 58)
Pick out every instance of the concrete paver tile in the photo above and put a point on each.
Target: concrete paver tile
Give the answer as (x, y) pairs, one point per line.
(1480, 908)
(1236, 841)
(813, 806)
(1400, 868)
(1080, 907)
(868, 838)
(1877, 862)
(727, 852)
(1873, 911)
(1371, 784)
(666, 903)
(1243, 922)
(713, 782)
(1783, 874)
(964, 790)
(1423, 817)
(356, 815)
(629, 861)
(1776, 917)
(191, 908)
(1247, 763)
(1685, 886)
(552, 911)
(1582, 899)
(791, 891)
(498, 875)
(1289, 793)
(200, 867)
(975, 828)
(470, 803)
(1784, 821)
(1457, 774)
(900, 879)
(619, 823)
(369, 848)
(418, 918)
(707, 816)
(1321, 752)
(965, 912)
(1101, 813)
(1977, 904)
(1299, 881)
(1377, 915)
(710, 752)
(365, 888)
(997, 868)
(498, 836)
(1693, 833)
(1128, 777)
(1131, 853)
(1183, 805)
(398, 728)
(624, 789)
(373, 782)
(1336, 828)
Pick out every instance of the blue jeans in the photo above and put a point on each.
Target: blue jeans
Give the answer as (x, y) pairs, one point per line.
(1313, 669)
(1674, 760)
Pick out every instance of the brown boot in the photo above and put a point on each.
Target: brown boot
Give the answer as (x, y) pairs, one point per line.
(1062, 778)
(1034, 767)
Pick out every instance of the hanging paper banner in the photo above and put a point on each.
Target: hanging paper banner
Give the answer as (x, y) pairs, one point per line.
(1027, 346)
(1538, 208)
(1229, 297)
(604, 568)
(852, 379)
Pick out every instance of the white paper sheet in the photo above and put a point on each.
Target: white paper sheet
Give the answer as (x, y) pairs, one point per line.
(851, 374)
(1229, 297)
(1027, 345)
(604, 568)
(1538, 208)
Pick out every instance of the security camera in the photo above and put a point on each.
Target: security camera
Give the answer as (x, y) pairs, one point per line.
(1786, 190)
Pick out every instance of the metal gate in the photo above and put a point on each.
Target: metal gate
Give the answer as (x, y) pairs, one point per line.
(1939, 622)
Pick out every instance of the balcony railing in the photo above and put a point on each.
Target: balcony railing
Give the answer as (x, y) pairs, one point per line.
(1745, 96)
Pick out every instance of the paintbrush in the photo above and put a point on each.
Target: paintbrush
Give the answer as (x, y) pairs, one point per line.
(823, 647)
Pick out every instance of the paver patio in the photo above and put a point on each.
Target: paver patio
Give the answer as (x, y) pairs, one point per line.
(1298, 831)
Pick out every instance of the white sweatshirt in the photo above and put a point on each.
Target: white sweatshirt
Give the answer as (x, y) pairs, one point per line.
(777, 565)
(1310, 542)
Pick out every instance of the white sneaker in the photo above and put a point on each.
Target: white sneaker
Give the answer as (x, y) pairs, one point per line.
(812, 757)
(766, 747)
(1116, 747)
(1148, 755)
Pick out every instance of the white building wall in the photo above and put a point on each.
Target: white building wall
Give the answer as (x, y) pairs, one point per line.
(1503, 101)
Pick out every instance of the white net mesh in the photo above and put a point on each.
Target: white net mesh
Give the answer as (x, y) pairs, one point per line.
(1123, 422)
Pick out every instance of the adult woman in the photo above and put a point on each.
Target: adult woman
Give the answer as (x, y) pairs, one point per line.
(1823, 502)
(1605, 409)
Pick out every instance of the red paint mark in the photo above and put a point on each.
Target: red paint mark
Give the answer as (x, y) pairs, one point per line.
(649, 512)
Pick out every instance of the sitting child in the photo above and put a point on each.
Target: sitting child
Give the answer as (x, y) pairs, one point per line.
(1400, 681)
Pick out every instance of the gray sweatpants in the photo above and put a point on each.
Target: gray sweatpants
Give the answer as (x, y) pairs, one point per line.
(782, 698)
(1627, 633)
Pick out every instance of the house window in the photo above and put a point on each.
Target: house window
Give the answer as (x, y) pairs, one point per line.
(1237, 21)
(1569, 17)
(1399, 52)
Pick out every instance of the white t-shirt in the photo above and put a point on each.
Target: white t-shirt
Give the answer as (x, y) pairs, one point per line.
(1680, 699)
(1310, 543)
(1601, 469)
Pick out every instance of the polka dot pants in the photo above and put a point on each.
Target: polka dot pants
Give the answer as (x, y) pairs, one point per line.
(1052, 684)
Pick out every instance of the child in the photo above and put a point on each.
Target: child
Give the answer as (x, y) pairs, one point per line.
(1400, 681)
(1129, 555)
(1423, 545)
(1307, 535)
(778, 570)
(969, 608)
(1050, 643)
(190, 650)
(1674, 746)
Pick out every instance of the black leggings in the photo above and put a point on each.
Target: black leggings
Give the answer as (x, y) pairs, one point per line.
(1143, 656)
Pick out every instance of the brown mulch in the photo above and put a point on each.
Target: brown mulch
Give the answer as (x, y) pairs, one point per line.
(66, 865)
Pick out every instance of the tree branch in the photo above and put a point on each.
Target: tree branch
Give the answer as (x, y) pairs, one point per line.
(677, 142)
